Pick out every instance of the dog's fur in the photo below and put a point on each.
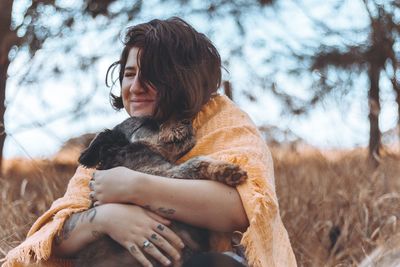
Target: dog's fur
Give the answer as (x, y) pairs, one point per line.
(143, 145)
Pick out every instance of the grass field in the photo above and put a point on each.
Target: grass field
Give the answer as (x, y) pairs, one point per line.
(335, 207)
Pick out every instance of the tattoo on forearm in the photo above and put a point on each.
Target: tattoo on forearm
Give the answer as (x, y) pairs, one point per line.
(165, 211)
(91, 214)
(161, 210)
(71, 223)
(96, 234)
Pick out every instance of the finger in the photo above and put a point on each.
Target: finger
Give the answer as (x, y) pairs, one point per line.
(158, 218)
(93, 175)
(138, 255)
(160, 242)
(169, 235)
(152, 250)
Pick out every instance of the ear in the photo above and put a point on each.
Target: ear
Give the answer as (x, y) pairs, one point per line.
(91, 156)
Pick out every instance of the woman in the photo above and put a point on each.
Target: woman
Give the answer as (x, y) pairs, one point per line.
(169, 69)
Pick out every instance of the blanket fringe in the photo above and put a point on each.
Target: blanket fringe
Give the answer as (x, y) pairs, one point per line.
(262, 212)
(37, 247)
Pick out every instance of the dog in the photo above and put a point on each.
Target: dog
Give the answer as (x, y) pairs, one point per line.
(144, 145)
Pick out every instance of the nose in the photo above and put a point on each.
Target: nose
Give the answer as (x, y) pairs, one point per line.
(136, 86)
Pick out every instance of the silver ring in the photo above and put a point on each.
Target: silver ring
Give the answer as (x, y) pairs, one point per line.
(91, 185)
(146, 244)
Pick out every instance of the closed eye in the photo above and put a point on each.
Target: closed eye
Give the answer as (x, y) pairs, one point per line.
(129, 74)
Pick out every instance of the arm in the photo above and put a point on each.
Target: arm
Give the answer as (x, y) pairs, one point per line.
(128, 225)
(79, 230)
(202, 203)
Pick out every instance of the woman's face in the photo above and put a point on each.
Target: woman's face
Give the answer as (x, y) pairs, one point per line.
(137, 100)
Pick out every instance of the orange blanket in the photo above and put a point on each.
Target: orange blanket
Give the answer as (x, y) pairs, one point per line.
(224, 132)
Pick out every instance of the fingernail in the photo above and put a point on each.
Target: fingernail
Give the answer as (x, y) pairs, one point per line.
(182, 245)
(167, 262)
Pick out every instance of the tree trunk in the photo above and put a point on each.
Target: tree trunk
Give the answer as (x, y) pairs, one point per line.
(396, 89)
(7, 40)
(3, 77)
(228, 89)
(374, 111)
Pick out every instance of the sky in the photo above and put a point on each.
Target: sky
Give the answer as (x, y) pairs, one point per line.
(329, 126)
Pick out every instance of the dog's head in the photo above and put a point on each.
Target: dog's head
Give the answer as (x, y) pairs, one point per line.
(102, 147)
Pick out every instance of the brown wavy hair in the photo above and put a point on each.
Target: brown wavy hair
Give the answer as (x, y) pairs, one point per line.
(181, 63)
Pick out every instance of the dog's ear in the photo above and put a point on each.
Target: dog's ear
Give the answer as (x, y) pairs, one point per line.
(173, 131)
(175, 139)
(90, 157)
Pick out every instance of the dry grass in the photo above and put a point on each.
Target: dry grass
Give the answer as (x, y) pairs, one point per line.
(320, 194)
(26, 191)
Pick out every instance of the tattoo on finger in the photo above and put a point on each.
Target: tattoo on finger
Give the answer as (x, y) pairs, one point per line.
(160, 227)
(133, 249)
(154, 237)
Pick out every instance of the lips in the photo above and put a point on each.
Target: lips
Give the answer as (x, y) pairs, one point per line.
(141, 100)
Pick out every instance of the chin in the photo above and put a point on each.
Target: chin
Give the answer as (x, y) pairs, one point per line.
(140, 114)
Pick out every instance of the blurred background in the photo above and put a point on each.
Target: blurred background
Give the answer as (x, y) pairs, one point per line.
(319, 78)
(323, 73)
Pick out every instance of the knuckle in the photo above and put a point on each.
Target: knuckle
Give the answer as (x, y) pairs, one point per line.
(132, 249)
(153, 223)
(143, 262)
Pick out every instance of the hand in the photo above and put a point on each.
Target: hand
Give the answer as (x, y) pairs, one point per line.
(116, 185)
(140, 231)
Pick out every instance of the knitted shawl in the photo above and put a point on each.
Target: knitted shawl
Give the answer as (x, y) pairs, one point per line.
(224, 132)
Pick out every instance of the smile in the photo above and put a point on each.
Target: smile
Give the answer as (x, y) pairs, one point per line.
(141, 100)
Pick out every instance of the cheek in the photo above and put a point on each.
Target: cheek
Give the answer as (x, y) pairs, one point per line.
(152, 92)
(125, 99)
(124, 92)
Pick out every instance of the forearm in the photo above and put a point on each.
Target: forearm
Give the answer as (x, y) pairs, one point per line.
(79, 230)
(202, 203)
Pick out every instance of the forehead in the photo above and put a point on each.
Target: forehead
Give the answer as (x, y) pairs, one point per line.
(132, 57)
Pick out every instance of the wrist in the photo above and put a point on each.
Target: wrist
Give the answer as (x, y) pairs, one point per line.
(101, 221)
(139, 188)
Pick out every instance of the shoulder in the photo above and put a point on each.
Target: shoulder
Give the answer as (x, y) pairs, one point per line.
(221, 114)
(223, 130)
